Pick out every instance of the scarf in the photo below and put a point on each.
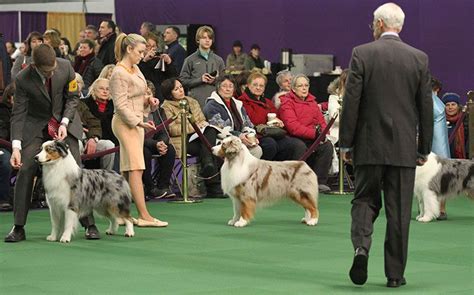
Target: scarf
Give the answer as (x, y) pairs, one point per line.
(238, 122)
(459, 151)
(82, 62)
(105, 38)
(101, 106)
(254, 97)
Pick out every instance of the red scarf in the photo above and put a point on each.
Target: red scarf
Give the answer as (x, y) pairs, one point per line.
(459, 151)
(101, 106)
(82, 62)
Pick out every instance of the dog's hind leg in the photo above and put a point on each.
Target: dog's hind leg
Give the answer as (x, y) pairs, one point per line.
(247, 211)
(129, 232)
(309, 203)
(430, 206)
(55, 215)
(113, 226)
(70, 224)
(236, 205)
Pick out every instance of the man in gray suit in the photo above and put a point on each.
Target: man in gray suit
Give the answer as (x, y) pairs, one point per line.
(45, 91)
(386, 130)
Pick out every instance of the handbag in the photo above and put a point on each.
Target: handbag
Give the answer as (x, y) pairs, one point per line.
(270, 131)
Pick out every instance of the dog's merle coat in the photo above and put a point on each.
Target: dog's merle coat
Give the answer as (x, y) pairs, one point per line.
(439, 179)
(73, 192)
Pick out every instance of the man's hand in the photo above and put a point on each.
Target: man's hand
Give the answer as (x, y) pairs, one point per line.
(15, 159)
(347, 157)
(166, 58)
(91, 146)
(161, 147)
(62, 132)
(149, 56)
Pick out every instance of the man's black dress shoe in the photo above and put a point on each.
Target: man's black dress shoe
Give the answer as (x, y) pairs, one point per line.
(15, 235)
(358, 272)
(92, 233)
(395, 283)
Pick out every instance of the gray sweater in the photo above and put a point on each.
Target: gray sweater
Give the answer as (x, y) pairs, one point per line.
(194, 67)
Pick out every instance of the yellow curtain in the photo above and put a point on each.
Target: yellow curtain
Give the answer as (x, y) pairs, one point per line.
(68, 23)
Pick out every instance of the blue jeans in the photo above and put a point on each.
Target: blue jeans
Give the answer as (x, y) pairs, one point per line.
(5, 171)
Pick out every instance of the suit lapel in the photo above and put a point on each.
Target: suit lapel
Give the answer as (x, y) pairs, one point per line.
(39, 83)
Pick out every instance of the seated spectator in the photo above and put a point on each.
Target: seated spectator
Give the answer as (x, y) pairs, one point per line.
(175, 50)
(173, 92)
(453, 114)
(224, 111)
(11, 49)
(65, 48)
(336, 91)
(107, 37)
(147, 27)
(34, 39)
(107, 71)
(241, 83)
(236, 60)
(158, 145)
(53, 39)
(91, 33)
(283, 80)
(150, 61)
(80, 84)
(198, 67)
(303, 119)
(254, 60)
(87, 64)
(95, 140)
(258, 107)
(82, 36)
(5, 168)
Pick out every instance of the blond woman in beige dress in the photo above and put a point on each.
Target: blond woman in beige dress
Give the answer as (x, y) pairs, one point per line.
(128, 88)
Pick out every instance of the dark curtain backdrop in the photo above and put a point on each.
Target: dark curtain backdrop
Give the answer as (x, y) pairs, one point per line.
(443, 29)
(96, 18)
(32, 21)
(9, 25)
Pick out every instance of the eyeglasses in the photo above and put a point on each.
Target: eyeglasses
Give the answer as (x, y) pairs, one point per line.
(258, 85)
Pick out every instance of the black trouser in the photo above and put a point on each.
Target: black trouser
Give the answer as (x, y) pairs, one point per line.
(320, 160)
(397, 184)
(282, 149)
(165, 166)
(199, 149)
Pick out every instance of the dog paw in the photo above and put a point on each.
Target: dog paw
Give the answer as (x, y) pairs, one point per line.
(129, 234)
(418, 217)
(65, 239)
(109, 232)
(424, 219)
(311, 221)
(51, 238)
(241, 223)
(231, 222)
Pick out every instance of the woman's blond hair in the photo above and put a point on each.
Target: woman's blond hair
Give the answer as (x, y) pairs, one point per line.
(123, 41)
(105, 71)
(53, 37)
(256, 75)
(93, 87)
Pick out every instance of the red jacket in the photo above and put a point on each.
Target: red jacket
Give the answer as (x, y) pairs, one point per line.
(257, 110)
(301, 116)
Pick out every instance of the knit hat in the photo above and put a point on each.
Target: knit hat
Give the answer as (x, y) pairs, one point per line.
(255, 46)
(451, 97)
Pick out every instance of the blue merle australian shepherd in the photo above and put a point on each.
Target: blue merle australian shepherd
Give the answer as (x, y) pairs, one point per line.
(72, 192)
(439, 179)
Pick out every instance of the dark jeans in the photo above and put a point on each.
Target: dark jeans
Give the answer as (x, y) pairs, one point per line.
(198, 148)
(320, 160)
(165, 166)
(286, 148)
(5, 171)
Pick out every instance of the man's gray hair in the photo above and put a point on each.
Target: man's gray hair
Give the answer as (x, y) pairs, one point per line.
(391, 14)
(295, 78)
(281, 75)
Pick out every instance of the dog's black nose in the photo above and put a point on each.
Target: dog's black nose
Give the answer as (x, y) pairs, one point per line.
(36, 158)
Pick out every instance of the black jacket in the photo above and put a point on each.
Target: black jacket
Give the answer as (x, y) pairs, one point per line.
(5, 116)
(106, 52)
(160, 135)
(91, 73)
(105, 118)
(156, 76)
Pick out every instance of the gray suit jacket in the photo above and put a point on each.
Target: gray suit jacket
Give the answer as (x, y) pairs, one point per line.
(386, 102)
(33, 107)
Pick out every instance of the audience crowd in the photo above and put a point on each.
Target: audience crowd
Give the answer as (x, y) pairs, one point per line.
(223, 98)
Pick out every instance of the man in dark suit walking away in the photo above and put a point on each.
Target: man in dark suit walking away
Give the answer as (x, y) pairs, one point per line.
(46, 98)
(386, 129)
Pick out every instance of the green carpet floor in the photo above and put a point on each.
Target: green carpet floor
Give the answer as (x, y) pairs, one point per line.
(199, 254)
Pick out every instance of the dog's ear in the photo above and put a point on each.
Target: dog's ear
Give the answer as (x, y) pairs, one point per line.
(62, 148)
